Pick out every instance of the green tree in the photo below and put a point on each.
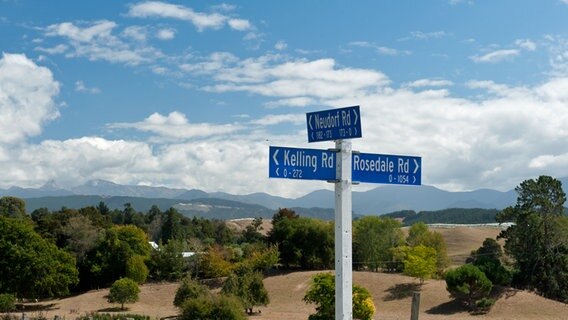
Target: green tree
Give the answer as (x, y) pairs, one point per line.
(248, 286)
(252, 234)
(80, 236)
(263, 260)
(12, 207)
(30, 266)
(123, 291)
(189, 289)
(172, 227)
(538, 240)
(107, 261)
(468, 284)
(420, 262)
(167, 263)
(373, 241)
(215, 263)
(296, 237)
(488, 259)
(419, 234)
(322, 294)
(136, 268)
(7, 302)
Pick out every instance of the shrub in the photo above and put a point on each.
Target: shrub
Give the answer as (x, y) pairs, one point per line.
(212, 307)
(322, 293)
(108, 316)
(484, 304)
(7, 302)
(189, 289)
(468, 284)
(494, 270)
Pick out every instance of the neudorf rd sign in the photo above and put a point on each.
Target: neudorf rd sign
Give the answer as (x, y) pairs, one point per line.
(334, 124)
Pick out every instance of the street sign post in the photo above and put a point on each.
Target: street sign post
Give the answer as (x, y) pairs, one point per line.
(334, 124)
(387, 168)
(342, 166)
(305, 164)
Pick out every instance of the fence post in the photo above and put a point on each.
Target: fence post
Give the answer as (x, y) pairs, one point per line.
(415, 306)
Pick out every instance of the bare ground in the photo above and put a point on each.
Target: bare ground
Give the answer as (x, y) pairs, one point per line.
(392, 295)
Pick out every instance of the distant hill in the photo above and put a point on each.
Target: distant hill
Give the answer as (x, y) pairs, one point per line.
(381, 200)
(450, 216)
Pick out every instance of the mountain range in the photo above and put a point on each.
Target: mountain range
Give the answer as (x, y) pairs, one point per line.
(381, 200)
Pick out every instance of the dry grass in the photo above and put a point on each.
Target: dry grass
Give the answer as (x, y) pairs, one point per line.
(461, 241)
(392, 294)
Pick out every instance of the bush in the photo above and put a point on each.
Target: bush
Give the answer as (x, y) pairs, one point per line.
(484, 304)
(212, 307)
(322, 293)
(108, 316)
(494, 270)
(468, 284)
(189, 289)
(7, 302)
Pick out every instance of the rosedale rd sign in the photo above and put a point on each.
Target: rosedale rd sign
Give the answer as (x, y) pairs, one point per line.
(387, 169)
(314, 164)
(342, 167)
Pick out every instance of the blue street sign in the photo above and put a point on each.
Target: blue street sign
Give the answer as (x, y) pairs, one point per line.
(334, 124)
(295, 163)
(387, 168)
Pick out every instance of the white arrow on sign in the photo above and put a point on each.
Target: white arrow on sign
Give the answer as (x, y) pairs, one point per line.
(310, 122)
(356, 115)
(416, 166)
(278, 174)
(276, 152)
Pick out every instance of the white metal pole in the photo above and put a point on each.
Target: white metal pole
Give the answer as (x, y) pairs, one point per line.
(343, 236)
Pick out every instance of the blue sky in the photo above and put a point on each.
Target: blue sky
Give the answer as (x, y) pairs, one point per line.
(190, 94)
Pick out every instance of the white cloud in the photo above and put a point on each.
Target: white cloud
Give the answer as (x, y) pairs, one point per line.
(200, 20)
(273, 76)
(429, 83)
(166, 34)
(58, 49)
(526, 44)
(95, 41)
(80, 87)
(224, 7)
(496, 56)
(136, 32)
(280, 45)
(27, 98)
(291, 102)
(428, 35)
(99, 29)
(501, 137)
(240, 24)
(273, 119)
(382, 50)
(175, 126)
